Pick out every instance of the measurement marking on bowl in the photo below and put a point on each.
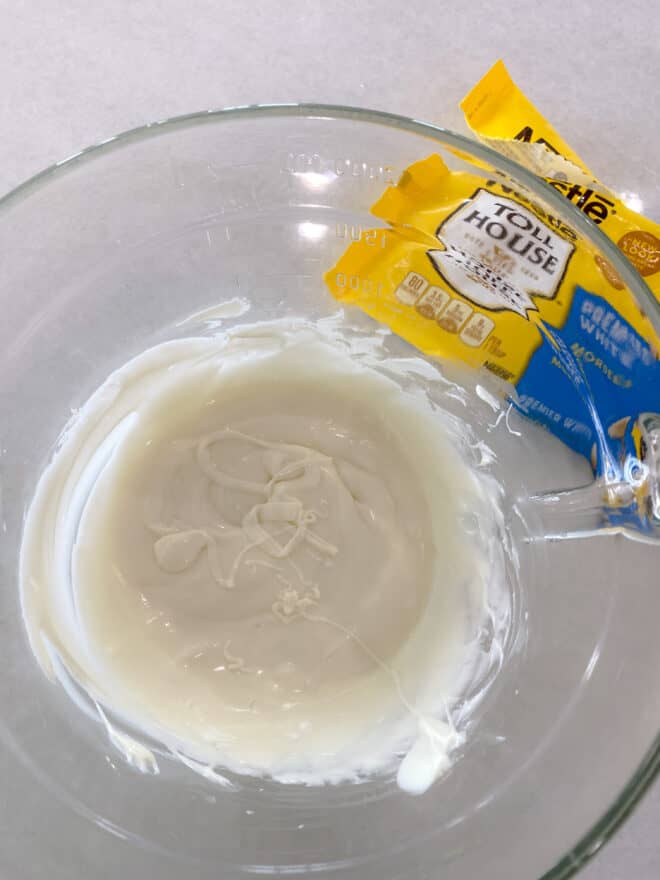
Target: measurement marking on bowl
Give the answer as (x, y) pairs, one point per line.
(357, 282)
(376, 238)
(329, 166)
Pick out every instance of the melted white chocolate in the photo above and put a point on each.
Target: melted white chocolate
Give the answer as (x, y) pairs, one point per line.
(250, 548)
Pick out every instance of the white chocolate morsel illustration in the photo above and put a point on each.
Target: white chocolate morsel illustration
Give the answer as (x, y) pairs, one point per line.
(250, 549)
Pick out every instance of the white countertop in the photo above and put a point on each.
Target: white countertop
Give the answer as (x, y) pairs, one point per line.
(73, 72)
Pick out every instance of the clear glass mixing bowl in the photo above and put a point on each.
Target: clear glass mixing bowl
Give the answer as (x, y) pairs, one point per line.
(111, 249)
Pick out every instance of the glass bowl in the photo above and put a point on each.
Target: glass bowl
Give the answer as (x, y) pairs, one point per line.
(111, 250)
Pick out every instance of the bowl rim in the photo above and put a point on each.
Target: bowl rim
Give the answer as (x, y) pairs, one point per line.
(444, 136)
(611, 819)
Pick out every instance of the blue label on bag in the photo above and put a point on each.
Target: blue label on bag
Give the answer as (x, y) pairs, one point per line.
(585, 381)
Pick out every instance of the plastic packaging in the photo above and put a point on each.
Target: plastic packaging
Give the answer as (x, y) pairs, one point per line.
(484, 274)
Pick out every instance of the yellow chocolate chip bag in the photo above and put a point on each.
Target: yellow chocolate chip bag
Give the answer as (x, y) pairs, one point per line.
(469, 268)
